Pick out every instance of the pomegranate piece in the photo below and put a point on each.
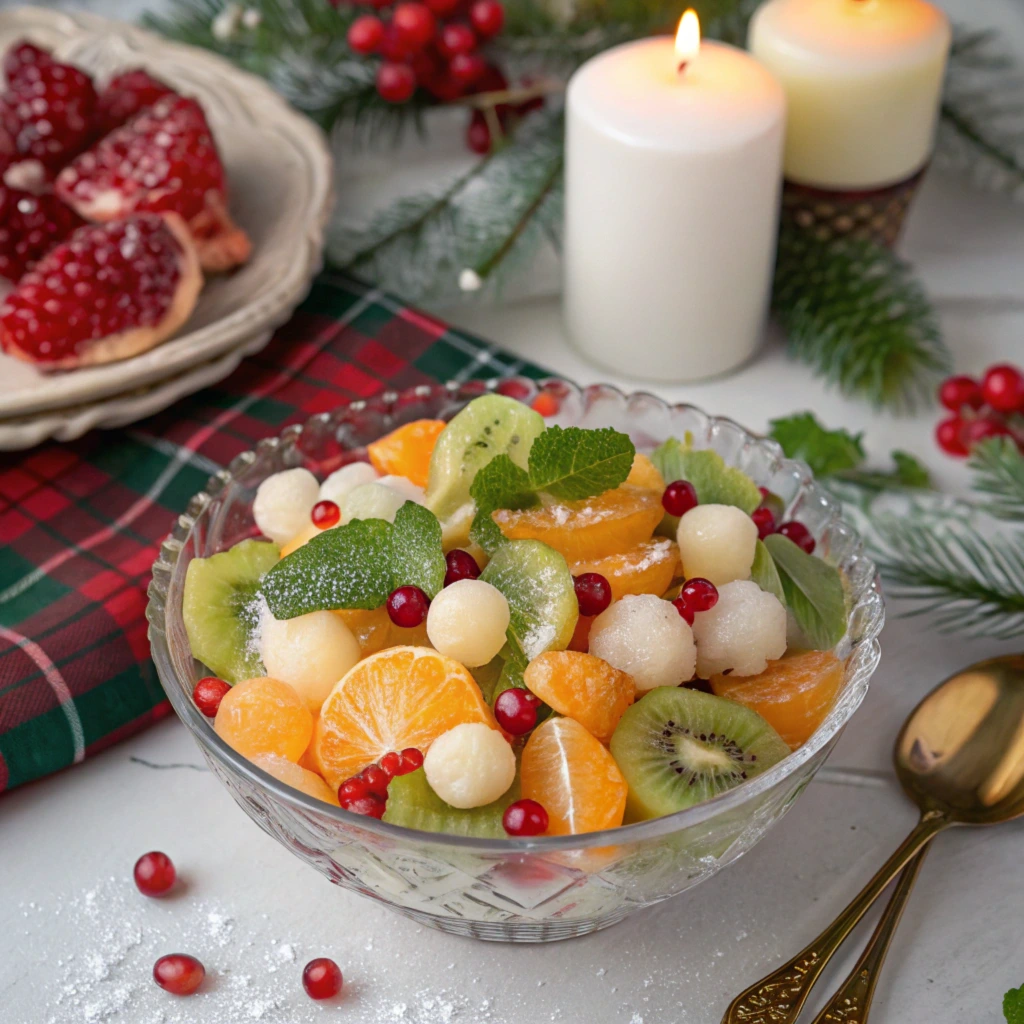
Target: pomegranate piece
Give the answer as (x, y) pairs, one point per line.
(30, 226)
(109, 292)
(163, 160)
(125, 95)
(21, 55)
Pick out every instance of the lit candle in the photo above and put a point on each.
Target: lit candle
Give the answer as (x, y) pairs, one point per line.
(673, 169)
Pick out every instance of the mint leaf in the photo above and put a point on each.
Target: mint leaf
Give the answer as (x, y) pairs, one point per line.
(500, 484)
(347, 567)
(814, 592)
(1013, 1006)
(764, 573)
(825, 451)
(416, 556)
(574, 463)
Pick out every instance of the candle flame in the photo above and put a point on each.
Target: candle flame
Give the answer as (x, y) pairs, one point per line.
(688, 37)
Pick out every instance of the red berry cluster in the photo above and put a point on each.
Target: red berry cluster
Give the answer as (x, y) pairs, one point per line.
(766, 516)
(991, 407)
(367, 792)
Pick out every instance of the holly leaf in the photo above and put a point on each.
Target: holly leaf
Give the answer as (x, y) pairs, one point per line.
(416, 555)
(813, 591)
(825, 451)
(573, 463)
(909, 471)
(1013, 1006)
(764, 573)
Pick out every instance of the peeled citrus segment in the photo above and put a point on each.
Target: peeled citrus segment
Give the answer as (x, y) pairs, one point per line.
(590, 528)
(303, 537)
(264, 716)
(407, 450)
(400, 697)
(372, 628)
(645, 474)
(793, 694)
(296, 776)
(573, 777)
(583, 688)
(647, 568)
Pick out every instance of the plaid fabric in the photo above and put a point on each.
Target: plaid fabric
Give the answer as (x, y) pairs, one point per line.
(81, 523)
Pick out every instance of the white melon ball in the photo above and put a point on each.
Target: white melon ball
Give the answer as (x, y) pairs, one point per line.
(372, 501)
(717, 542)
(283, 503)
(406, 488)
(646, 638)
(743, 632)
(310, 653)
(467, 621)
(470, 765)
(342, 482)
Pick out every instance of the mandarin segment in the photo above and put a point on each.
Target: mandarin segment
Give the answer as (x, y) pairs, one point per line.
(371, 627)
(647, 568)
(297, 777)
(264, 716)
(573, 777)
(407, 450)
(644, 473)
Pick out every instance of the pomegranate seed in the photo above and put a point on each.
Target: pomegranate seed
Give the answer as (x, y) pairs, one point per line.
(125, 96)
(799, 535)
(679, 498)
(395, 82)
(516, 710)
(370, 805)
(321, 978)
(949, 436)
(391, 764)
(414, 24)
(764, 521)
(179, 973)
(461, 565)
(32, 226)
(487, 17)
(208, 694)
(682, 605)
(982, 429)
(352, 789)
(365, 34)
(456, 39)
(407, 607)
(412, 758)
(593, 593)
(154, 873)
(325, 514)
(1003, 388)
(376, 780)
(21, 55)
(545, 403)
(958, 392)
(701, 594)
(525, 818)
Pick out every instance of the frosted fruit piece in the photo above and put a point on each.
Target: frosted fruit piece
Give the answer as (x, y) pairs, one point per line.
(467, 621)
(743, 632)
(717, 542)
(470, 766)
(296, 776)
(372, 501)
(793, 694)
(283, 502)
(370, 628)
(648, 568)
(582, 687)
(342, 482)
(406, 451)
(310, 653)
(264, 716)
(406, 489)
(646, 638)
(644, 473)
(573, 777)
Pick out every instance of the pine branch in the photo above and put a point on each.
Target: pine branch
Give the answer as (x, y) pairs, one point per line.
(999, 473)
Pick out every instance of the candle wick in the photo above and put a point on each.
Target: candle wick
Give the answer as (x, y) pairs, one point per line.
(683, 65)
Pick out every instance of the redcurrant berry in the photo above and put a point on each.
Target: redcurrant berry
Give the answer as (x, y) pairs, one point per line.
(487, 17)
(516, 710)
(154, 873)
(460, 565)
(798, 534)
(365, 34)
(325, 514)
(682, 605)
(1003, 388)
(376, 780)
(321, 978)
(949, 436)
(442, 8)
(679, 498)
(764, 521)
(701, 594)
(407, 606)
(395, 82)
(179, 973)
(478, 138)
(208, 694)
(466, 68)
(391, 764)
(593, 593)
(525, 818)
(957, 392)
(982, 429)
(414, 23)
(455, 39)
(411, 760)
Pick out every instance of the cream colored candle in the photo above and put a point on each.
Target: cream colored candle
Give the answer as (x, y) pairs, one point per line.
(672, 194)
(863, 80)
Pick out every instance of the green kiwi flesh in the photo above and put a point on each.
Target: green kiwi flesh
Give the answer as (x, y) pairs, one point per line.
(412, 803)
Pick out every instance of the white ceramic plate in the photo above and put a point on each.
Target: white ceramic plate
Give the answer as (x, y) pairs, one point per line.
(279, 170)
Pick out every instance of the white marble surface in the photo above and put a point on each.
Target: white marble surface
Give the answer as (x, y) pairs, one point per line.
(77, 943)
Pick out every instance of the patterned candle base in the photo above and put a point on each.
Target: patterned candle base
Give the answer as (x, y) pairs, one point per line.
(875, 215)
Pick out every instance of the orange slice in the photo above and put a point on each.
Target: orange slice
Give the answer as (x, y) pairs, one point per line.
(645, 474)
(296, 776)
(582, 687)
(407, 450)
(264, 716)
(400, 697)
(591, 528)
(573, 777)
(647, 568)
(793, 694)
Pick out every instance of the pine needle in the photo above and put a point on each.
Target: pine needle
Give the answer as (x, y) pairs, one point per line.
(999, 474)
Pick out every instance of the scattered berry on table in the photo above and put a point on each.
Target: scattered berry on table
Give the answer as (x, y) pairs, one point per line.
(1003, 388)
(321, 978)
(764, 520)
(798, 534)
(525, 818)
(460, 565)
(679, 497)
(154, 873)
(470, 765)
(468, 622)
(178, 973)
(325, 514)
(958, 392)
(593, 593)
(407, 606)
(207, 694)
(516, 710)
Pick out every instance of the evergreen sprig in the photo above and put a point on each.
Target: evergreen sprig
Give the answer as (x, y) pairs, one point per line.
(999, 477)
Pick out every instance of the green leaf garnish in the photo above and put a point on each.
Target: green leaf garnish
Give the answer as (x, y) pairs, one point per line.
(814, 592)
(909, 470)
(416, 555)
(574, 463)
(1013, 1006)
(764, 573)
(500, 484)
(825, 451)
(714, 481)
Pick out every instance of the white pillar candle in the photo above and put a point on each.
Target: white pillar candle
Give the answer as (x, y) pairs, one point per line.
(672, 194)
(863, 80)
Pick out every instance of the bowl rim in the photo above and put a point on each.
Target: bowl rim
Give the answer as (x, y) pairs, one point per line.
(208, 740)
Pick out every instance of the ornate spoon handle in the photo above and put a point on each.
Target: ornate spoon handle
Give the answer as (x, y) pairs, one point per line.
(779, 997)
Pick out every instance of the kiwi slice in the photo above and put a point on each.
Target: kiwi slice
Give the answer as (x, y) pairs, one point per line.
(677, 747)
(219, 610)
(412, 803)
(488, 426)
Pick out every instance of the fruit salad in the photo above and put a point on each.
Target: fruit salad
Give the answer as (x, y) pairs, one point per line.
(499, 627)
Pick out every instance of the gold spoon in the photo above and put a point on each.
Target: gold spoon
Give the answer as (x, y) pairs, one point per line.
(960, 757)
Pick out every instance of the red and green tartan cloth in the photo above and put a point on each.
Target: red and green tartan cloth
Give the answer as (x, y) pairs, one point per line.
(81, 523)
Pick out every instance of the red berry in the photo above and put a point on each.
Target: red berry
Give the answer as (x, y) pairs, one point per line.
(321, 978)
(442, 8)
(467, 68)
(125, 95)
(352, 789)
(679, 498)
(21, 55)
(478, 140)
(154, 873)
(325, 514)
(455, 39)
(414, 24)
(407, 606)
(516, 710)
(764, 521)
(593, 593)
(179, 973)
(391, 764)
(1003, 388)
(394, 47)
(461, 565)
(798, 534)
(949, 436)
(525, 818)
(370, 805)
(487, 17)
(376, 780)
(411, 760)
(208, 693)
(395, 82)
(982, 429)
(701, 594)
(957, 392)
(366, 33)
(546, 404)
(30, 226)
(682, 605)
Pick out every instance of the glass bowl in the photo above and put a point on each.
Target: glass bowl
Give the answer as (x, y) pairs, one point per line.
(523, 890)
